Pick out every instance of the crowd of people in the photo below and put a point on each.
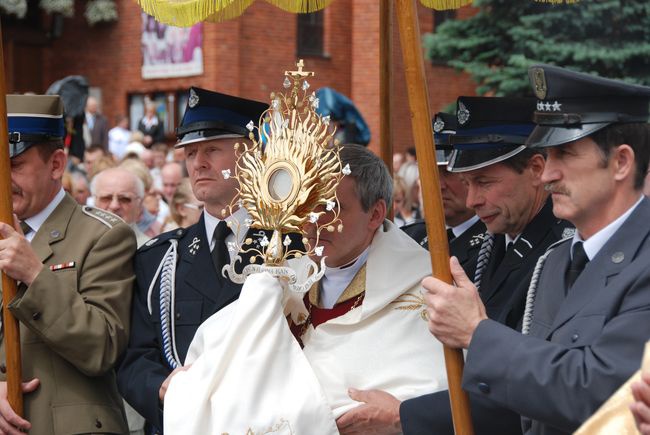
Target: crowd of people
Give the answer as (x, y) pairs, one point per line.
(547, 226)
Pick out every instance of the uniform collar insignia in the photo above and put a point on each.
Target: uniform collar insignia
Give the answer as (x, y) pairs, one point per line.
(151, 242)
(477, 239)
(194, 246)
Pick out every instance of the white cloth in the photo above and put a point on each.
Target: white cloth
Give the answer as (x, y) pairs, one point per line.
(248, 373)
(386, 343)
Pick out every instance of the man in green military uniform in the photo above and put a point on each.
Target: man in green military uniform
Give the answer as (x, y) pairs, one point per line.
(75, 276)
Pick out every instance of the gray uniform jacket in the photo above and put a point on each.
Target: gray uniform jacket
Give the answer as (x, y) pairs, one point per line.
(581, 346)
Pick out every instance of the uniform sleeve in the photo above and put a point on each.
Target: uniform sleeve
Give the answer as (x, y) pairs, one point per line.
(559, 384)
(142, 370)
(431, 414)
(82, 313)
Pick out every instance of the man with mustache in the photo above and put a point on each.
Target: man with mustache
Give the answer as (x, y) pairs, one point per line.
(182, 268)
(74, 272)
(581, 332)
(505, 190)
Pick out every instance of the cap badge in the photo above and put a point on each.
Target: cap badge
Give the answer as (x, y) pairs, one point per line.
(438, 125)
(194, 99)
(539, 82)
(463, 113)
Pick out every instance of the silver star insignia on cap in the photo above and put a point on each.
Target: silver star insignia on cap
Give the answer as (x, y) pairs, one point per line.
(194, 99)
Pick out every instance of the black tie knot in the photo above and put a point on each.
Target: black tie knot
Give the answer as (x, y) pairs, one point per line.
(450, 235)
(579, 260)
(25, 227)
(221, 231)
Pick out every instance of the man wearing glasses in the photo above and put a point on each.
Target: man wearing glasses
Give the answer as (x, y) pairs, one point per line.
(120, 191)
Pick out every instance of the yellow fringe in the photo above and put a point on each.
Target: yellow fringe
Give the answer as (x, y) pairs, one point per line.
(300, 6)
(185, 13)
(441, 5)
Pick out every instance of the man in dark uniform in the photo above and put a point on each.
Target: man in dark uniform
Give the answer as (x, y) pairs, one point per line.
(506, 192)
(464, 229)
(181, 270)
(581, 336)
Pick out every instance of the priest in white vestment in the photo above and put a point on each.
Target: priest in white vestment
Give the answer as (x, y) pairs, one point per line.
(363, 326)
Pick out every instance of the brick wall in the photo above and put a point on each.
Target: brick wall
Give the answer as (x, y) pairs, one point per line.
(248, 57)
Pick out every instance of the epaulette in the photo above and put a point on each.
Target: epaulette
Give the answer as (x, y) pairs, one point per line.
(106, 217)
(559, 242)
(163, 238)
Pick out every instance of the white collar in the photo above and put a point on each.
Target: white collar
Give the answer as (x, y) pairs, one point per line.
(460, 229)
(36, 222)
(337, 279)
(510, 239)
(238, 226)
(594, 243)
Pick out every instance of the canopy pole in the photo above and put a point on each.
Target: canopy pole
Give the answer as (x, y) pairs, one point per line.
(386, 87)
(10, 323)
(434, 216)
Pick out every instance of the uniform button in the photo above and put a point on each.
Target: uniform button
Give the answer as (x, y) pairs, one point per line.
(484, 388)
(178, 315)
(98, 424)
(36, 315)
(3, 368)
(575, 337)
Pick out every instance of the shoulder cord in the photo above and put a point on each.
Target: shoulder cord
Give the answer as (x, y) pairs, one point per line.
(483, 258)
(167, 272)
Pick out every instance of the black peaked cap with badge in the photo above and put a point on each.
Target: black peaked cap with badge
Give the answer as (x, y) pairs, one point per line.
(490, 130)
(212, 115)
(444, 125)
(573, 105)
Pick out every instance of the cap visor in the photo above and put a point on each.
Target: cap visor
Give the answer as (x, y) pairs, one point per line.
(469, 160)
(192, 138)
(548, 136)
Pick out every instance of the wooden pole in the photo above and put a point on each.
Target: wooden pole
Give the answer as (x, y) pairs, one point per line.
(386, 86)
(386, 81)
(418, 93)
(10, 323)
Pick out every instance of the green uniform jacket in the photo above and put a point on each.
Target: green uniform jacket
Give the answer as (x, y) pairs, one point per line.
(74, 321)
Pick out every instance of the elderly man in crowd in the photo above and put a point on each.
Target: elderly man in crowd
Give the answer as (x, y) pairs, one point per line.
(121, 192)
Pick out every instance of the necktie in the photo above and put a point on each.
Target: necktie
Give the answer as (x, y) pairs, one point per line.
(483, 258)
(220, 256)
(578, 263)
(450, 235)
(25, 227)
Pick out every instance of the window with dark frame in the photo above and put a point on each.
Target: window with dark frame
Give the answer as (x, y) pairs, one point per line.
(310, 34)
(440, 17)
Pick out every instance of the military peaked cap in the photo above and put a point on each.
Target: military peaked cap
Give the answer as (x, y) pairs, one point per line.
(573, 105)
(211, 115)
(34, 119)
(490, 130)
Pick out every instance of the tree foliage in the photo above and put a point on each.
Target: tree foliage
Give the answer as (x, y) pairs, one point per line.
(610, 38)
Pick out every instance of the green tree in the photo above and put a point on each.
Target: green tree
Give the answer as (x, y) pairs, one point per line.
(610, 38)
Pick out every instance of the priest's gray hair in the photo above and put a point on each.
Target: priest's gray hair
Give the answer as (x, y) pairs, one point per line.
(371, 176)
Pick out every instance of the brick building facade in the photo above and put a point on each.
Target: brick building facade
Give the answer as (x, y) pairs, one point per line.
(244, 57)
